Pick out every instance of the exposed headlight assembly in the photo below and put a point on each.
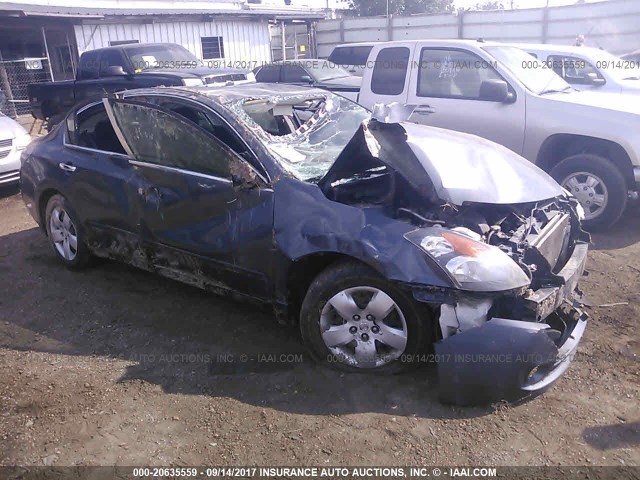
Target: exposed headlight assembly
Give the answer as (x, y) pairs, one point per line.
(472, 265)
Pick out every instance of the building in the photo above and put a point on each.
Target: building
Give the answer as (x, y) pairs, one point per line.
(41, 40)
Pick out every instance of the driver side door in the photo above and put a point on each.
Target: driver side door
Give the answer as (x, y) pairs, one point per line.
(205, 219)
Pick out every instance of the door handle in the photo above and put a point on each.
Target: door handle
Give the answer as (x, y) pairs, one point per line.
(426, 110)
(67, 167)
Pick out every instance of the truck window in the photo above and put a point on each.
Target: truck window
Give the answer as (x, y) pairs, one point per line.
(111, 58)
(573, 69)
(390, 71)
(89, 66)
(452, 74)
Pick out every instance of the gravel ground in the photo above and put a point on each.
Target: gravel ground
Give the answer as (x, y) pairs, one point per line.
(116, 366)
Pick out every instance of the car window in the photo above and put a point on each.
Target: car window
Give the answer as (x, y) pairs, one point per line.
(293, 73)
(160, 137)
(93, 130)
(356, 56)
(573, 69)
(111, 58)
(89, 66)
(390, 71)
(452, 74)
(268, 74)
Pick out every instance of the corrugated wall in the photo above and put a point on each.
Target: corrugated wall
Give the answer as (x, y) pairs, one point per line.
(244, 41)
(612, 25)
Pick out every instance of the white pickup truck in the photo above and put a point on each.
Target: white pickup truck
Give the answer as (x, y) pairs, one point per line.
(589, 142)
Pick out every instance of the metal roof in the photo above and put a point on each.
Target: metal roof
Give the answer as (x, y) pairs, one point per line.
(156, 8)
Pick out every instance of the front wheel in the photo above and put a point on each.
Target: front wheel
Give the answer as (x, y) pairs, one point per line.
(597, 184)
(354, 320)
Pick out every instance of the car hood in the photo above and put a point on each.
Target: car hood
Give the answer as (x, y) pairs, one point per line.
(10, 128)
(455, 167)
(602, 100)
(350, 81)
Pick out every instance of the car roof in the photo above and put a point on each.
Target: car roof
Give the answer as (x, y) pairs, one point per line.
(552, 48)
(232, 93)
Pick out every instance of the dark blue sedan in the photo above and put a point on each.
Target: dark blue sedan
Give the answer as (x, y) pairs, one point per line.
(389, 244)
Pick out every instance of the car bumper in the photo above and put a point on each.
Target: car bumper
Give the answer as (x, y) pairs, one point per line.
(9, 167)
(511, 359)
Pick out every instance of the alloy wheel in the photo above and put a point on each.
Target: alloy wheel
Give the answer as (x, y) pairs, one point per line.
(63, 234)
(589, 190)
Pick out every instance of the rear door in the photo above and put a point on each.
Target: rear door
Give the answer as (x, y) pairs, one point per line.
(99, 181)
(388, 81)
(206, 214)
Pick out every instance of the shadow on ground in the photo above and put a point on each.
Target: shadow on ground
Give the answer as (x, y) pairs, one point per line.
(186, 340)
(609, 437)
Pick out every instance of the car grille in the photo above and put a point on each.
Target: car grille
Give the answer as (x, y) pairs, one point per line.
(6, 143)
(229, 77)
(4, 153)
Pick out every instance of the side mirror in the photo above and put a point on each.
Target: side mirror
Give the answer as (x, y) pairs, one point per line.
(496, 91)
(306, 78)
(595, 80)
(115, 71)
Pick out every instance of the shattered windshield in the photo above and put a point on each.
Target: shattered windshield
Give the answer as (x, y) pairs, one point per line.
(305, 134)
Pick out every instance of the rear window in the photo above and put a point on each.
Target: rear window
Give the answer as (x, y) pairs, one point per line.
(357, 56)
(390, 71)
(268, 74)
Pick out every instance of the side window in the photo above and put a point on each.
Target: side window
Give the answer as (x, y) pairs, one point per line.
(268, 74)
(93, 130)
(89, 65)
(452, 74)
(158, 137)
(110, 58)
(574, 70)
(390, 71)
(293, 73)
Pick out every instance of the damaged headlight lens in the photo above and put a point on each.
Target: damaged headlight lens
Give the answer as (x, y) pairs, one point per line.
(473, 265)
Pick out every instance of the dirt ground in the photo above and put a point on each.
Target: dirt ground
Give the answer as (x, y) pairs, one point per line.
(116, 366)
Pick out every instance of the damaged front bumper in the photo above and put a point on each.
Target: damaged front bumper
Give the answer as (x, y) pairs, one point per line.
(511, 359)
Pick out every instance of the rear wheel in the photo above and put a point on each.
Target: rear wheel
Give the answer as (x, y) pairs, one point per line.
(352, 319)
(64, 235)
(597, 184)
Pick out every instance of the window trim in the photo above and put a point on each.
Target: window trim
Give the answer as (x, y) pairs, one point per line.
(167, 168)
(451, 97)
(570, 58)
(264, 175)
(65, 136)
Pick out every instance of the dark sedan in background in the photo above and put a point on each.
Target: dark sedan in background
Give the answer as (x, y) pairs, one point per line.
(314, 73)
(380, 240)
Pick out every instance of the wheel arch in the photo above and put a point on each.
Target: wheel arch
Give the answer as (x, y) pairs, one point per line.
(43, 200)
(560, 146)
(303, 271)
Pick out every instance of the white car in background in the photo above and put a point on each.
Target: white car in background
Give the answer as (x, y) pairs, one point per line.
(13, 139)
(586, 68)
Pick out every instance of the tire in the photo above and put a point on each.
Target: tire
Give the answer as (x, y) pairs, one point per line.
(574, 174)
(350, 280)
(65, 238)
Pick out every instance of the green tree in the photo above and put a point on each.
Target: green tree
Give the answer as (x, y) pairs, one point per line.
(370, 8)
(492, 5)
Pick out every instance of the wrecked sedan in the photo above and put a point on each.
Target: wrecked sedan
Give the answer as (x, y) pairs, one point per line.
(388, 243)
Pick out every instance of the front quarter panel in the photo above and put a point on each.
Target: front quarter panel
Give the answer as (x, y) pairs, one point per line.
(306, 223)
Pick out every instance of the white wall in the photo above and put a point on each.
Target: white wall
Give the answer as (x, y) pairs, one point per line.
(613, 25)
(244, 41)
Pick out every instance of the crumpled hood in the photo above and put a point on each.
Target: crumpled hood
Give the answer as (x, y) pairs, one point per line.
(466, 168)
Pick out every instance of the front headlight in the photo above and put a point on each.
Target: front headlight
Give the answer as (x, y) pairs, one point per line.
(192, 82)
(473, 265)
(22, 141)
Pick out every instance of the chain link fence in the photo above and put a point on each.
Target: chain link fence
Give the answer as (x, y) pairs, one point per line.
(15, 76)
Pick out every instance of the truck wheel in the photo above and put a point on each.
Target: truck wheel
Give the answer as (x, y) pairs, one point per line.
(354, 320)
(65, 237)
(597, 184)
